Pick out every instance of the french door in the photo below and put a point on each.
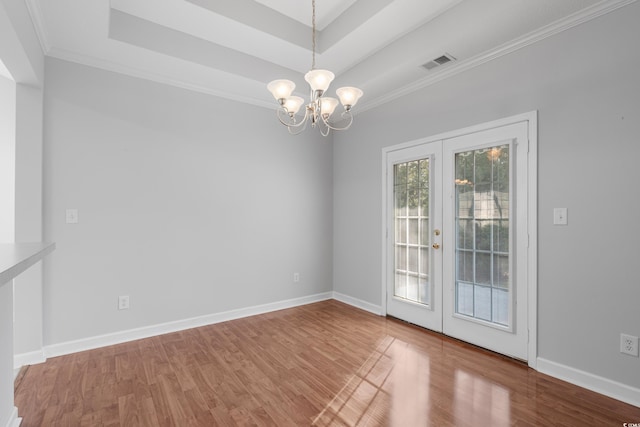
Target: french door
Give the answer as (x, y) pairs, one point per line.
(414, 199)
(456, 232)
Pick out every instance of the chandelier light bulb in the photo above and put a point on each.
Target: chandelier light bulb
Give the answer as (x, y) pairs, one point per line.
(327, 106)
(319, 80)
(349, 96)
(281, 89)
(293, 104)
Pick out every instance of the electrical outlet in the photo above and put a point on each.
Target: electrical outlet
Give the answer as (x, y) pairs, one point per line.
(123, 302)
(629, 345)
(296, 277)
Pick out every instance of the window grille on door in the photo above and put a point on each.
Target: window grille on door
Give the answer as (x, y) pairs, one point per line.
(483, 271)
(411, 207)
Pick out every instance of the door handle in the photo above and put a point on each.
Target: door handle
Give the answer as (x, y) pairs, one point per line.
(435, 246)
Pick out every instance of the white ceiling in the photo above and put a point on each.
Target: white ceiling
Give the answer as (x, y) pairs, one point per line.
(233, 48)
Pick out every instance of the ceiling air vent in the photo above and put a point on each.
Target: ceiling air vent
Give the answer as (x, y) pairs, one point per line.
(441, 60)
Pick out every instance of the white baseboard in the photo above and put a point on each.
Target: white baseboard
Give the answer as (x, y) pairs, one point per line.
(14, 420)
(613, 389)
(179, 325)
(580, 378)
(31, 358)
(361, 304)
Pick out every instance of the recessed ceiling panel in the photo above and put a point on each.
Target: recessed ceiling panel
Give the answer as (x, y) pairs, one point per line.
(213, 22)
(300, 10)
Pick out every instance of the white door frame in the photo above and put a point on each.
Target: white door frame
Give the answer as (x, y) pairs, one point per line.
(532, 212)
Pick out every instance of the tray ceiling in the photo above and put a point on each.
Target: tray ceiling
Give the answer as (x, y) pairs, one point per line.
(234, 48)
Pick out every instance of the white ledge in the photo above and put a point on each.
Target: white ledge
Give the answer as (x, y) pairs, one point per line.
(17, 257)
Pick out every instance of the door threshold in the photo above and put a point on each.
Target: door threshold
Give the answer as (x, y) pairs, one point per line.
(460, 342)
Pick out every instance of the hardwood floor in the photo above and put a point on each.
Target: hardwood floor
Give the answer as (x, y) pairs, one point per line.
(324, 364)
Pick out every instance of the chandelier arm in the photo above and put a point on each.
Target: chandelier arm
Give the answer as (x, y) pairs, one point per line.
(346, 114)
(326, 127)
(298, 130)
(290, 122)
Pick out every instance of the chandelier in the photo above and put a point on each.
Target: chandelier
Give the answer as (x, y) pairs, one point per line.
(319, 111)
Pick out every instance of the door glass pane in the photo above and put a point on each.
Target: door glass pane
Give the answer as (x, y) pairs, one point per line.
(411, 198)
(414, 235)
(401, 230)
(483, 265)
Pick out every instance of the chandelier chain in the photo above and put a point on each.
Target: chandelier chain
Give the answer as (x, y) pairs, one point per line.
(313, 34)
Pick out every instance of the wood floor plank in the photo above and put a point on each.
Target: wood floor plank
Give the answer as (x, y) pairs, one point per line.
(324, 364)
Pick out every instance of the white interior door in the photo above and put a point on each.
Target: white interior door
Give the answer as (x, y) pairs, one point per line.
(457, 236)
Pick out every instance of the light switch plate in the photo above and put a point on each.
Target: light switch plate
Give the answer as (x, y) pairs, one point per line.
(560, 216)
(72, 216)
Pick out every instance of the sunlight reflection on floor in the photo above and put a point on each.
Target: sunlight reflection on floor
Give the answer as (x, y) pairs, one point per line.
(392, 387)
(390, 384)
(479, 401)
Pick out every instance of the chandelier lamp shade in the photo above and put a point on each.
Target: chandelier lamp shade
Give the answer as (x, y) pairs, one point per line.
(319, 111)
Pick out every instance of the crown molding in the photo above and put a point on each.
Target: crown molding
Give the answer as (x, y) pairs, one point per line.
(586, 15)
(35, 12)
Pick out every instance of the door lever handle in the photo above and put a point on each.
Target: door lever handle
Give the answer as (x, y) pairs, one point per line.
(435, 246)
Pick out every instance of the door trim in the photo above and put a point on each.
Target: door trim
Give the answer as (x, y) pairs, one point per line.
(532, 213)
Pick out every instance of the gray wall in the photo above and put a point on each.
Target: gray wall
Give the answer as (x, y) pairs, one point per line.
(584, 83)
(28, 325)
(189, 204)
